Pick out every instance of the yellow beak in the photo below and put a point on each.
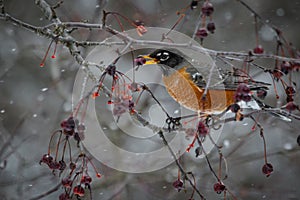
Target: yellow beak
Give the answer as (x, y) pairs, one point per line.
(149, 60)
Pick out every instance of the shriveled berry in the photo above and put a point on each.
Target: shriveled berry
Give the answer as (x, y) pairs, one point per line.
(258, 50)
(47, 159)
(219, 187)
(207, 8)
(211, 27)
(202, 129)
(62, 165)
(285, 67)
(78, 190)
(202, 33)
(178, 185)
(72, 166)
(68, 126)
(243, 88)
(261, 93)
(267, 169)
(242, 93)
(54, 165)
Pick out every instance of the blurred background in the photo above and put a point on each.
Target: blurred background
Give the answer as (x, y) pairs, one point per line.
(34, 100)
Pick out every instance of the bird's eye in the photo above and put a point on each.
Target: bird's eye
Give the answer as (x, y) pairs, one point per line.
(164, 56)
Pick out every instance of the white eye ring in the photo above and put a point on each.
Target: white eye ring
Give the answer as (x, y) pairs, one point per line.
(164, 56)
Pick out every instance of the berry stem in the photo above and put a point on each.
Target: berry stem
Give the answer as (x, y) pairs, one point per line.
(51, 138)
(256, 30)
(46, 54)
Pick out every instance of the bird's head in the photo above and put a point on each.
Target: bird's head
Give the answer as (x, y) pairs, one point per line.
(164, 57)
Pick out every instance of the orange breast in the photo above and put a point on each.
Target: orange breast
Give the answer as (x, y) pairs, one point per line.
(188, 94)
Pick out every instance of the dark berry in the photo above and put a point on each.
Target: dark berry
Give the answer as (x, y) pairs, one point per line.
(202, 33)
(198, 151)
(68, 126)
(258, 50)
(111, 70)
(211, 27)
(298, 140)
(219, 188)
(178, 185)
(267, 169)
(289, 99)
(194, 4)
(235, 108)
(78, 190)
(139, 61)
(207, 8)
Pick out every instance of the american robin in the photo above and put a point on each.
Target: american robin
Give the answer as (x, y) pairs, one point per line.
(186, 85)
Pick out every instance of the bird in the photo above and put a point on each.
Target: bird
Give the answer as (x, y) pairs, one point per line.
(187, 86)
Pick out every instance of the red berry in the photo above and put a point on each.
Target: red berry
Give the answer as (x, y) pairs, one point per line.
(291, 106)
(178, 185)
(202, 33)
(202, 129)
(219, 188)
(64, 196)
(86, 179)
(98, 175)
(95, 94)
(258, 50)
(66, 182)
(267, 169)
(78, 190)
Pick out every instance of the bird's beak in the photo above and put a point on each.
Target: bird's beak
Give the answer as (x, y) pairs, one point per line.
(149, 60)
